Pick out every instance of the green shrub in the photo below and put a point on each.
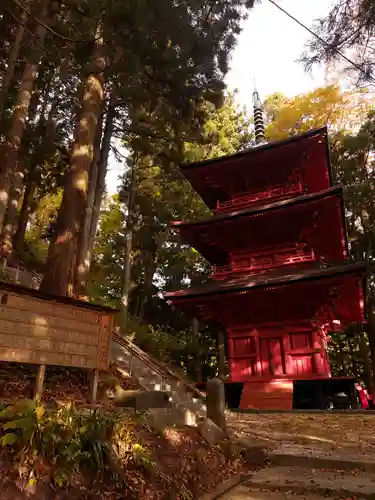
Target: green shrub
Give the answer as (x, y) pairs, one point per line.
(59, 444)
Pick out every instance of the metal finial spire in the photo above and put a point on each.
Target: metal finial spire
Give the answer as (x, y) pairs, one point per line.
(260, 137)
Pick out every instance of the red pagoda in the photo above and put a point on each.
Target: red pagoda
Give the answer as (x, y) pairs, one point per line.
(281, 282)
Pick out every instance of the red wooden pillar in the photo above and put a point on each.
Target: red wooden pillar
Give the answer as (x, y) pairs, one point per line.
(320, 357)
(287, 357)
(230, 355)
(221, 350)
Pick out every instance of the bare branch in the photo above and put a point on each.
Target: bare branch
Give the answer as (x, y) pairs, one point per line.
(48, 28)
(331, 47)
(29, 32)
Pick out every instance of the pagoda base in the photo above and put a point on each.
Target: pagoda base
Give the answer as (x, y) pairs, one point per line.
(320, 393)
(267, 395)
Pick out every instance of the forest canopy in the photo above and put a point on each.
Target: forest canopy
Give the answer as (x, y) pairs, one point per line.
(143, 82)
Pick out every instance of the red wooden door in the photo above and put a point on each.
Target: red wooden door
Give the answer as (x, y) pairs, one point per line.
(271, 352)
(306, 354)
(242, 357)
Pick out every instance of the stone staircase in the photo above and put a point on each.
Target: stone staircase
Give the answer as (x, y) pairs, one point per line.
(303, 483)
(302, 473)
(186, 402)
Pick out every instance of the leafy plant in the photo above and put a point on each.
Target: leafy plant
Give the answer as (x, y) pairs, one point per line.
(141, 456)
(57, 444)
(128, 450)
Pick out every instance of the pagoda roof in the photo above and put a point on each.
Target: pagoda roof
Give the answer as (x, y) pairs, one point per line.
(213, 178)
(270, 279)
(272, 224)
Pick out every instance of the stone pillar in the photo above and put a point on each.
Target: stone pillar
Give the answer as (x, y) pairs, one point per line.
(216, 402)
(197, 360)
(221, 349)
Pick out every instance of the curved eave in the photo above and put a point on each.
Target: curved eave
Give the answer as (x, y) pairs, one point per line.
(217, 167)
(255, 151)
(263, 208)
(216, 236)
(264, 281)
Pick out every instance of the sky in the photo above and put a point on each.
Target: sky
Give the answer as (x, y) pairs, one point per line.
(267, 51)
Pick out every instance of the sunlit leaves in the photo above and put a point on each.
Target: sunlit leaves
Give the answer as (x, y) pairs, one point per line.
(339, 110)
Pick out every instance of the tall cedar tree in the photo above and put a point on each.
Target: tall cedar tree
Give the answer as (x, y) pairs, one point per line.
(171, 53)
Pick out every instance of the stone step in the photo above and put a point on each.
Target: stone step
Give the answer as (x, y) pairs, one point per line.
(301, 480)
(245, 493)
(294, 455)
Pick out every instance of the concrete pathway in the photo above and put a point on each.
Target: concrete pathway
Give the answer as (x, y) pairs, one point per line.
(244, 493)
(345, 433)
(302, 473)
(277, 483)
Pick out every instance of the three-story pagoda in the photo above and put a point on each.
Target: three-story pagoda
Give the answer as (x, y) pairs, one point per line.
(278, 245)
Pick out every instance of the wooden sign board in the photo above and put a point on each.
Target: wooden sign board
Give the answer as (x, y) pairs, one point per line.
(48, 332)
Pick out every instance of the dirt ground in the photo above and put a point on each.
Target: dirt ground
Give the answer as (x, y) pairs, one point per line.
(350, 433)
(184, 465)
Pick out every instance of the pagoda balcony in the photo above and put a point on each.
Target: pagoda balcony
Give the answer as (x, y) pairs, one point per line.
(276, 193)
(267, 259)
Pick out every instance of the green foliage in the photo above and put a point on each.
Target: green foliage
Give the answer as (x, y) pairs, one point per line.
(40, 231)
(105, 282)
(326, 106)
(162, 195)
(226, 131)
(59, 444)
(159, 260)
(141, 456)
(178, 348)
(348, 28)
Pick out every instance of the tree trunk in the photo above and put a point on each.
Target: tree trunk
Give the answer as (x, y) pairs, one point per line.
(148, 282)
(11, 214)
(127, 254)
(10, 223)
(19, 117)
(102, 172)
(13, 56)
(26, 209)
(371, 335)
(96, 192)
(84, 251)
(369, 309)
(341, 356)
(369, 378)
(353, 358)
(58, 278)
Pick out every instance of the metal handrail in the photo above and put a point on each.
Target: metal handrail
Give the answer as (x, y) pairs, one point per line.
(125, 343)
(158, 367)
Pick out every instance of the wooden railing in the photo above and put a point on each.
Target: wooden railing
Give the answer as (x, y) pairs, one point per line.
(255, 262)
(240, 202)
